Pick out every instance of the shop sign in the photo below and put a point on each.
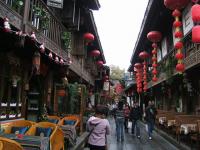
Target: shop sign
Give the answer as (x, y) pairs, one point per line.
(55, 3)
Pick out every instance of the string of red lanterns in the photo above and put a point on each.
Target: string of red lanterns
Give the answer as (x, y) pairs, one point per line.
(144, 55)
(138, 70)
(88, 37)
(196, 19)
(155, 37)
(176, 6)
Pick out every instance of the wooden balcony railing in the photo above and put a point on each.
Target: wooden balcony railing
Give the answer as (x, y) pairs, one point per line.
(34, 15)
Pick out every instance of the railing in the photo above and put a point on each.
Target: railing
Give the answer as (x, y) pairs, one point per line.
(34, 15)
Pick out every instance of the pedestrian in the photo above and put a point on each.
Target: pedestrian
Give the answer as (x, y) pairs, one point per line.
(135, 116)
(150, 118)
(126, 115)
(99, 128)
(120, 121)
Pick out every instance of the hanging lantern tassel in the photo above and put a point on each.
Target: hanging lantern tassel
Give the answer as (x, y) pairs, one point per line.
(178, 34)
(6, 25)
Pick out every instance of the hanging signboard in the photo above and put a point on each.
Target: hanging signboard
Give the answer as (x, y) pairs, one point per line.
(55, 3)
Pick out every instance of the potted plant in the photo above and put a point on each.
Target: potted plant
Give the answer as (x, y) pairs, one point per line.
(3, 115)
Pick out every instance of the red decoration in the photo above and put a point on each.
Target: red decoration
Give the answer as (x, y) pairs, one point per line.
(175, 4)
(195, 13)
(50, 55)
(196, 34)
(154, 36)
(61, 61)
(143, 55)
(99, 63)
(88, 37)
(180, 67)
(178, 45)
(138, 65)
(42, 48)
(95, 53)
(56, 59)
(179, 56)
(6, 25)
(33, 37)
(177, 24)
(155, 79)
(178, 34)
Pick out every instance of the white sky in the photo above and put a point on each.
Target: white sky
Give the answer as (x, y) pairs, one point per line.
(118, 24)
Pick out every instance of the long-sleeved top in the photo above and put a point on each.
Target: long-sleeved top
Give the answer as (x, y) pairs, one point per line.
(119, 114)
(150, 113)
(136, 113)
(99, 128)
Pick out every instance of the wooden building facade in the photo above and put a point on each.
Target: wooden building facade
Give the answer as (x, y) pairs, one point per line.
(172, 90)
(42, 51)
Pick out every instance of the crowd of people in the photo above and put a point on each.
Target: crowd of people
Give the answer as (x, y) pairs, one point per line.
(98, 126)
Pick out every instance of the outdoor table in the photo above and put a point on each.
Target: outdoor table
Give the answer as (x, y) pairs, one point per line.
(30, 142)
(171, 123)
(187, 128)
(162, 120)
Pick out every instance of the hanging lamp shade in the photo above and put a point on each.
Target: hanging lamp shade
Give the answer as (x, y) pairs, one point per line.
(154, 36)
(138, 65)
(144, 55)
(195, 13)
(95, 53)
(99, 63)
(88, 37)
(175, 4)
(196, 34)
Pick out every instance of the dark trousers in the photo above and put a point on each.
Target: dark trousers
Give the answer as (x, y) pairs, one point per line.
(135, 125)
(150, 127)
(94, 147)
(126, 123)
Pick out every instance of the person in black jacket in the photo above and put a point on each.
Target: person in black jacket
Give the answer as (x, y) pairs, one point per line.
(135, 115)
(150, 117)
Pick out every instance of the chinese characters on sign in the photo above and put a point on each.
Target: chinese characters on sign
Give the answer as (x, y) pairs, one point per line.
(55, 3)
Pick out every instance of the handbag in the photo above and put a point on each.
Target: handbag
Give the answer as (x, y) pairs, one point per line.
(86, 144)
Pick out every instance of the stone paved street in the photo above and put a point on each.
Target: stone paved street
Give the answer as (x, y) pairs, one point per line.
(133, 143)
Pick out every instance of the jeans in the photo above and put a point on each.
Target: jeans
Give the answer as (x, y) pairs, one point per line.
(150, 127)
(135, 125)
(120, 128)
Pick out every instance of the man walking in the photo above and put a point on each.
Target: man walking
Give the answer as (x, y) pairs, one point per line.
(135, 115)
(150, 118)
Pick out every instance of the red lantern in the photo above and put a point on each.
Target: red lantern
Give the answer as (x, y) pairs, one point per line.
(138, 65)
(88, 37)
(179, 56)
(99, 63)
(196, 13)
(196, 34)
(42, 48)
(180, 67)
(95, 53)
(176, 13)
(143, 55)
(179, 45)
(154, 36)
(175, 4)
(178, 34)
(154, 51)
(177, 24)
(155, 79)
(154, 71)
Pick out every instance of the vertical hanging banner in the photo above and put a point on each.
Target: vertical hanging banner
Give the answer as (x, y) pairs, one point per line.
(55, 3)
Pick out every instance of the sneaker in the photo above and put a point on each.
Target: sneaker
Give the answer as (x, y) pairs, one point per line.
(150, 138)
(138, 136)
